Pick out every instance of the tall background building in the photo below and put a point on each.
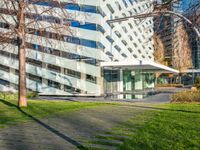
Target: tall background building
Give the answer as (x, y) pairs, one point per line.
(163, 27)
(194, 15)
(191, 10)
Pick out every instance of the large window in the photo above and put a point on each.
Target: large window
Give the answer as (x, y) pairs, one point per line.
(71, 89)
(35, 78)
(4, 82)
(91, 78)
(54, 84)
(73, 73)
(54, 68)
(4, 68)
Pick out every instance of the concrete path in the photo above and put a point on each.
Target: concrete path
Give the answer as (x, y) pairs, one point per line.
(162, 96)
(70, 131)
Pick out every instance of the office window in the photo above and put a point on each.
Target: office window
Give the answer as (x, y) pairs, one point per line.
(135, 45)
(110, 8)
(124, 42)
(35, 78)
(4, 68)
(54, 84)
(54, 68)
(91, 78)
(73, 73)
(118, 48)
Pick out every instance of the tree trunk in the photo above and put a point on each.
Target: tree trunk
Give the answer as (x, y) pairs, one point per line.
(22, 55)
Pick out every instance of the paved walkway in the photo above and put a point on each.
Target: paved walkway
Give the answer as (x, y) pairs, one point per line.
(69, 131)
(162, 96)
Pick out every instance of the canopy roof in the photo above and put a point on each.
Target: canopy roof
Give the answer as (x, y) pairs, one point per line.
(192, 71)
(139, 65)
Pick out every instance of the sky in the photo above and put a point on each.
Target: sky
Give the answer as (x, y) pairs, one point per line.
(186, 3)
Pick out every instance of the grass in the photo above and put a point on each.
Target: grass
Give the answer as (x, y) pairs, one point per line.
(164, 127)
(174, 127)
(11, 115)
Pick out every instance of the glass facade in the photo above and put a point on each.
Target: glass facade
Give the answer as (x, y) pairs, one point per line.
(134, 83)
(128, 80)
(111, 79)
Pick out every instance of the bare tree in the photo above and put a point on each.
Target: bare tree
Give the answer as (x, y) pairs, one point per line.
(22, 19)
(159, 52)
(182, 59)
(159, 49)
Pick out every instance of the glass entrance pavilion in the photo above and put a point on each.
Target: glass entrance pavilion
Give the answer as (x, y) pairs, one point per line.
(131, 79)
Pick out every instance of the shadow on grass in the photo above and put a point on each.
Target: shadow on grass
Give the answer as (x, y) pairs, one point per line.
(49, 98)
(46, 126)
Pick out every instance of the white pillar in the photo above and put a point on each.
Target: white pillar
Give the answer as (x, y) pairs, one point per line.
(128, 84)
(138, 83)
(12, 71)
(120, 84)
(44, 81)
(62, 71)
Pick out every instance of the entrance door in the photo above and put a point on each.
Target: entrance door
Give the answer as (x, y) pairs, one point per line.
(111, 78)
(128, 81)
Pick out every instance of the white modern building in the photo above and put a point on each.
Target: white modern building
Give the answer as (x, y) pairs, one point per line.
(94, 58)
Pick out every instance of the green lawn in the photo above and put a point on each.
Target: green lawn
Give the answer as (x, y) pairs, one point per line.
(10, 114)
(174, 127)
(166, 126)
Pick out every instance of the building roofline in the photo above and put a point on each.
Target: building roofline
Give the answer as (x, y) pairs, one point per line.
(140, 65)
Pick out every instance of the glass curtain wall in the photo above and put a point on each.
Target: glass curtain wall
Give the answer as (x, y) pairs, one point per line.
(133, 81)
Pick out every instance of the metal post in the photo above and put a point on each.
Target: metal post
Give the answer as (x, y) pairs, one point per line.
(193, 75)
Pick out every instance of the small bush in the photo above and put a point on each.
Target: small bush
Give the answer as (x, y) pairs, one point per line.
(197, 86)
(198, 80)
(14, 96)
(186, 96)
(170, 85)
(32, 95)
(8, 95)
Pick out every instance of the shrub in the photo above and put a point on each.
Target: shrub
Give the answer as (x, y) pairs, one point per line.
(8, 95)
(14, 96)
(186, 96)
(197, 86)
(32, 95)
(170, 85)
(198, 80)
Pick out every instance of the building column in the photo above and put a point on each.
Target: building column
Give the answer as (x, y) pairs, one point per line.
(12, 71)
(138, 83)
(62, 71)
(152, 84)
(127, 83)
(44, 81)
(100, 82)
(83, 78)
(120, 84)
